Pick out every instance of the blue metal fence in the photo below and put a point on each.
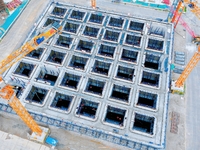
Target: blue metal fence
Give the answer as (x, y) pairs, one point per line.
(95, 133)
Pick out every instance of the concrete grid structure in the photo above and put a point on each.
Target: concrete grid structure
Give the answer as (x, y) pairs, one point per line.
(105, 71)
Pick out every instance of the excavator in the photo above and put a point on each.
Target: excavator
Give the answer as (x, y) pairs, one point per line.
(7, 92)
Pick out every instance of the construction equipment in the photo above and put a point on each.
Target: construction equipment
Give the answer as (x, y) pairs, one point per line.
(178, 84)
(93, 3)
(181, 6)
(7, 92)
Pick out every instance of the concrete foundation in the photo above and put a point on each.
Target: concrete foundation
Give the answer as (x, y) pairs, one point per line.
(105, 71)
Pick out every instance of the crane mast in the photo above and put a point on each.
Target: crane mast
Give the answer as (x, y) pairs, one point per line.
(7, 92)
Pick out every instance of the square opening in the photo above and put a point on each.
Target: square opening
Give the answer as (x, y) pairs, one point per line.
(56, 57)
(85, 46)
(111, 36)
(152, 61)
(143, 123)
(116, 22)
(136, 26)
(96, 18)
(129, 56)
(61, 101)
(115, 116)
(151, 79)
(90, 31)
(125, 73)
(71, 27)
(50, 21)
(133, 40)
(106, 50)
(95, 86)
(155, 44)
(146, 99)
(120, 93)
(101, 67)
(64, 41)
(70, 80)
(37, 95)
(78, 62)
(36, 54)
(24, 69)
(48, 75)
(78, 15)
(155, 30)
(57, 11)
(87, 108)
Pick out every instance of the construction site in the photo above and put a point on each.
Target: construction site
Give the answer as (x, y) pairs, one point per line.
(98, 73)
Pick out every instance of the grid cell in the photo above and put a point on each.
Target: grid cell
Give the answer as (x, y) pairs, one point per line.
(115, 116)
(95, 86)
(143, 123)
(61, 101)
(96, 18)
(87, 108)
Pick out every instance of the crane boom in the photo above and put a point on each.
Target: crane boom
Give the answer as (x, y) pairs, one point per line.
(179, 10)
(7, 92)
(188, 69)
(27, 48)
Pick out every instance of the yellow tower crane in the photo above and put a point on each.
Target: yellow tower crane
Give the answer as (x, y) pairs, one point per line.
(93, 3)
(178, 85)
(7, 92)
(181, 6)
